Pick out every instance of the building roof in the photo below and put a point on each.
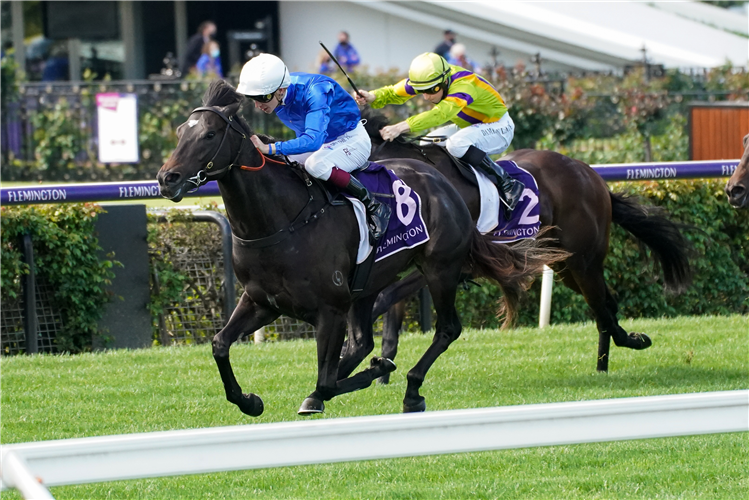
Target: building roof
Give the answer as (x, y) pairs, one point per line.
(590, 35)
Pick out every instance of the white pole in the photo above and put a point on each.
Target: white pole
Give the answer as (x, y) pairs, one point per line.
(260, 446)
(17, 475)
(547, 282)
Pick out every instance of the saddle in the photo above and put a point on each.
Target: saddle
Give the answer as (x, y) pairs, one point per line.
(462, 167)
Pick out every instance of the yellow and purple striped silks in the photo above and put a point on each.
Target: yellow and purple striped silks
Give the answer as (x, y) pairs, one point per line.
(470, 99)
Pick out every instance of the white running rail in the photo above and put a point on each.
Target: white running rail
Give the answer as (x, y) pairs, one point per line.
(31, 467)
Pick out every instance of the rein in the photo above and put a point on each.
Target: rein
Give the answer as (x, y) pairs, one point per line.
(297, 223)
(208, 173)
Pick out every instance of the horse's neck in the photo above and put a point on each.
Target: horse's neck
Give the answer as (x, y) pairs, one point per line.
(262, 202)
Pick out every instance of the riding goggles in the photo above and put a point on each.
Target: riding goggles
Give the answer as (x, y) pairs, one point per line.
(437, 88)
(262, 98)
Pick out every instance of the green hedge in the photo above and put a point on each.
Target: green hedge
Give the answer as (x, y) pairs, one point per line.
(66, 253)
(721, 264)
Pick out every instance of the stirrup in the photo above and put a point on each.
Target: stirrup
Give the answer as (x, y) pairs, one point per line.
(518, 186)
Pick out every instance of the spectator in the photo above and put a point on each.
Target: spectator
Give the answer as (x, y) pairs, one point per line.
(323, 62)
(209, 62)
(57, 66)
(443, 49)
(346, 54)
(194, 49)
(458, 57)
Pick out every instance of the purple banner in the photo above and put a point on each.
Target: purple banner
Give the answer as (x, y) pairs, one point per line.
(101, 191)
(143, 190)
(666, 170)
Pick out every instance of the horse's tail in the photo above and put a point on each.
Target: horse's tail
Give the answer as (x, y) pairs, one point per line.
(664, 238)
(512, 267)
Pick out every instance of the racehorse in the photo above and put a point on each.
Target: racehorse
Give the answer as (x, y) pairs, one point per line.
(577, 208)
(294, 251)
(737, 187)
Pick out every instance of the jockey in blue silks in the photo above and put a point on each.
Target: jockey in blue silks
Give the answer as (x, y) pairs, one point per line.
(330, 139)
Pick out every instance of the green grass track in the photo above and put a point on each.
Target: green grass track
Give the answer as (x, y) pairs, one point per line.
(118, 392)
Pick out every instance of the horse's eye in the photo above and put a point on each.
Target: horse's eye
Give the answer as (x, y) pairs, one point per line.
(210, 135)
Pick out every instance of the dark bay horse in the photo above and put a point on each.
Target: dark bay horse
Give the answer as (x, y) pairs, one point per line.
(294, 251)
(737, 187)
(577, 208)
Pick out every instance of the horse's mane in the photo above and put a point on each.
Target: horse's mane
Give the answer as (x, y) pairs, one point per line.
(375, 121)
(221, 93)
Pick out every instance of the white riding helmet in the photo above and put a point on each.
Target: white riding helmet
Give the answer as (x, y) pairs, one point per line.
(263, 75)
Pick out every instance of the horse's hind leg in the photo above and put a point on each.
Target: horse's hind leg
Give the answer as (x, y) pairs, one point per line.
(443, 287)
(247, 317)
(392, 322)
(391, 299)
(592, 285)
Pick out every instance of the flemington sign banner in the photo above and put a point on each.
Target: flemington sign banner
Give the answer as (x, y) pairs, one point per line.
(144, 190)
(101, 191)
(666, 170)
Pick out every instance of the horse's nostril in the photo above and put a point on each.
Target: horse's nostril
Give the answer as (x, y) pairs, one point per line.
(172, 178)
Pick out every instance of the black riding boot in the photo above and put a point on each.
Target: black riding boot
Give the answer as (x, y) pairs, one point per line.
(378, 214)
(510, 189)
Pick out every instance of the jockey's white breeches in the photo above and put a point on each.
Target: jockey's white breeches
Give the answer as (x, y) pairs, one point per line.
(492, 138)
(348, 152)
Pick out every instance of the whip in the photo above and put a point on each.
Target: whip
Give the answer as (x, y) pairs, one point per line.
(353, 85)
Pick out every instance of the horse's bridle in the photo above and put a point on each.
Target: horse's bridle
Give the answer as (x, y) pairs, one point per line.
(208, 173)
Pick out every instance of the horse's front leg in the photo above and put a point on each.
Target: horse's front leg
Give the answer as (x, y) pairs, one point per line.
(331, 330)
(247, 317)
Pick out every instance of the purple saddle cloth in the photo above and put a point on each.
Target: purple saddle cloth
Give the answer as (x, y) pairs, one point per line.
(406, 228)
(524, 221)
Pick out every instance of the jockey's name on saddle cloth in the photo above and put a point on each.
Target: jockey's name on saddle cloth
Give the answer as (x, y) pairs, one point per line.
(406, 228)
(523, 222)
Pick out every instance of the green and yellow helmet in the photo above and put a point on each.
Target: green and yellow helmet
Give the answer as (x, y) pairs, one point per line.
(428, 73)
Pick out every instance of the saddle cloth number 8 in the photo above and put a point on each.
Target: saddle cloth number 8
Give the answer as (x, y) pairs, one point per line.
(403, 199)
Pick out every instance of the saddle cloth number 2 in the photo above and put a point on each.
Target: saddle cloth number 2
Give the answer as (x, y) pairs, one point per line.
(527, 219)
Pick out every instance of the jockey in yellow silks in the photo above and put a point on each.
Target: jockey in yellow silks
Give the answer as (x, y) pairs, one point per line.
(480, 125)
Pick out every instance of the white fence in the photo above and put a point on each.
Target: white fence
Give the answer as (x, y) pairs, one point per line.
(156, 454)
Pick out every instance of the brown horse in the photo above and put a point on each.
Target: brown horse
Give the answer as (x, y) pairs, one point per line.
(577, 208)
(737, 187)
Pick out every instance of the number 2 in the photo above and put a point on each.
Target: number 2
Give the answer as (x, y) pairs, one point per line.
(525, 219)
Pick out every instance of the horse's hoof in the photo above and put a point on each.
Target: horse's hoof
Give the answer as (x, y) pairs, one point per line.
(251, 405)
(418, 407)
(385, 364)
(639, 341)
(384, 380)
(310, 406)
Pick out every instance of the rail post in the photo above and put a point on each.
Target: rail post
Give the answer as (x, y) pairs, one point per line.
(30, 319)
(425, 310)
(547, 283)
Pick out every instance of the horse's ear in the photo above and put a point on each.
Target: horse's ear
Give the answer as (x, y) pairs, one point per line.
(746, 141)
(231, 109)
